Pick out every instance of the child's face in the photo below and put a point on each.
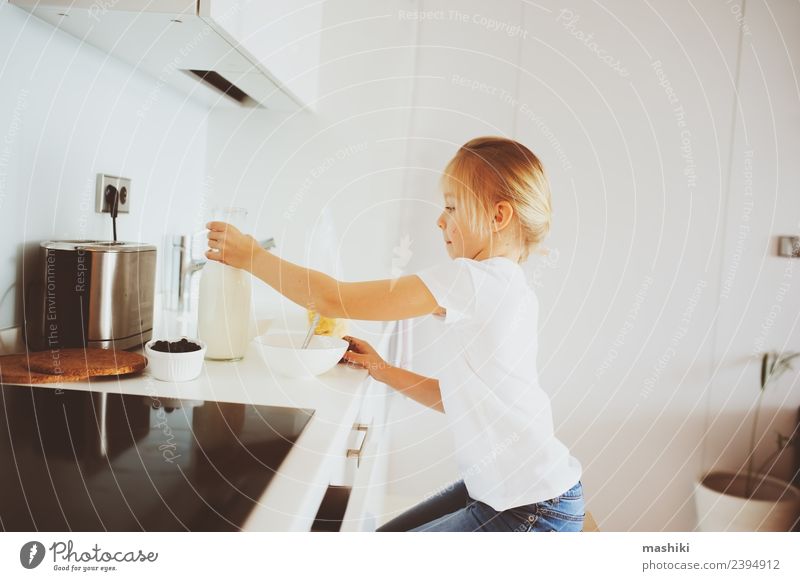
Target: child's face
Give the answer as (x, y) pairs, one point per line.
(459, 240)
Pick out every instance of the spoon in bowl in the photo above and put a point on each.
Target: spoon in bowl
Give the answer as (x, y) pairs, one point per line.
(311, 330)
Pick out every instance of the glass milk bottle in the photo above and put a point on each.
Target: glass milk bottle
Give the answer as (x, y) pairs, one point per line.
(224, 303)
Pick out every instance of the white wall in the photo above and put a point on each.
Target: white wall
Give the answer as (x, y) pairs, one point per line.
(647, 339)
(651, 365)
(67, 112)
(759, 302)
(327, 185)
(628, 306)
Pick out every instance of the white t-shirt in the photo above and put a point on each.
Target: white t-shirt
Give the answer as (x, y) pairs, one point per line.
(499, 416)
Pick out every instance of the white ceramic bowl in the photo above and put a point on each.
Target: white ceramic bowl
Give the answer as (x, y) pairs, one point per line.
(175, 366)
(281, 352)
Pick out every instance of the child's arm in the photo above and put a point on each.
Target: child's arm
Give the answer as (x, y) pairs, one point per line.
(377, 300)
(424, 390)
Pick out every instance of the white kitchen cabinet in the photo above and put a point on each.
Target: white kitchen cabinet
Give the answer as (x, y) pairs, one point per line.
(247, 53)
(366, 468)
(363, 464)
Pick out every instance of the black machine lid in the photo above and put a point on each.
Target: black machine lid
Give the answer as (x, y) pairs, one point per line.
(92, 461)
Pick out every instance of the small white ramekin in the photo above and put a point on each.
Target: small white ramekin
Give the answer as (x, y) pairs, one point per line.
(175, 366)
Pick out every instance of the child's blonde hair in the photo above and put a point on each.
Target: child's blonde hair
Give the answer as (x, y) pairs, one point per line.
(487, 170)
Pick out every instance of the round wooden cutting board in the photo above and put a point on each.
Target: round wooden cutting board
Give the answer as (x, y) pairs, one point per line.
(68, 365)
(14, 369)
(89, 362)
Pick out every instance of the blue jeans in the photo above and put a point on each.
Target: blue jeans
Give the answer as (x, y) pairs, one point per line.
(454, 510)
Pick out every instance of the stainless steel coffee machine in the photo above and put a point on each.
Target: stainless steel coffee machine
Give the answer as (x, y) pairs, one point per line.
(95, 294)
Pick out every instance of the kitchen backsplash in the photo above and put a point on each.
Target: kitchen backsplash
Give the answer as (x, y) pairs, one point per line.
(67, 112)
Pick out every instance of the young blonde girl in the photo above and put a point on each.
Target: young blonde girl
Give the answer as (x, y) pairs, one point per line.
(516, 475)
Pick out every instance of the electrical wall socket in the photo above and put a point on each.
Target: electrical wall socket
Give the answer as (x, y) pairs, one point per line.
(103, 180)
(789, 246)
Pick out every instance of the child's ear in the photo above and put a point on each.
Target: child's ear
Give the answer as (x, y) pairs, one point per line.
(502, 215)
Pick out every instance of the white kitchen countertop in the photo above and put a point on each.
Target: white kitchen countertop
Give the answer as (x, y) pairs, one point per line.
(292, 497)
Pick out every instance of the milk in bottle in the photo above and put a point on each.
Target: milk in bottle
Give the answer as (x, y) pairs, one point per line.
(224, 303)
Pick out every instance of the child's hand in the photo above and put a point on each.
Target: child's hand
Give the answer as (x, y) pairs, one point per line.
(361, 354)
(229, 246)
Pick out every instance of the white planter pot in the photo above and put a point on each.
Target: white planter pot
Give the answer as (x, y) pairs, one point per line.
(722, 506)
